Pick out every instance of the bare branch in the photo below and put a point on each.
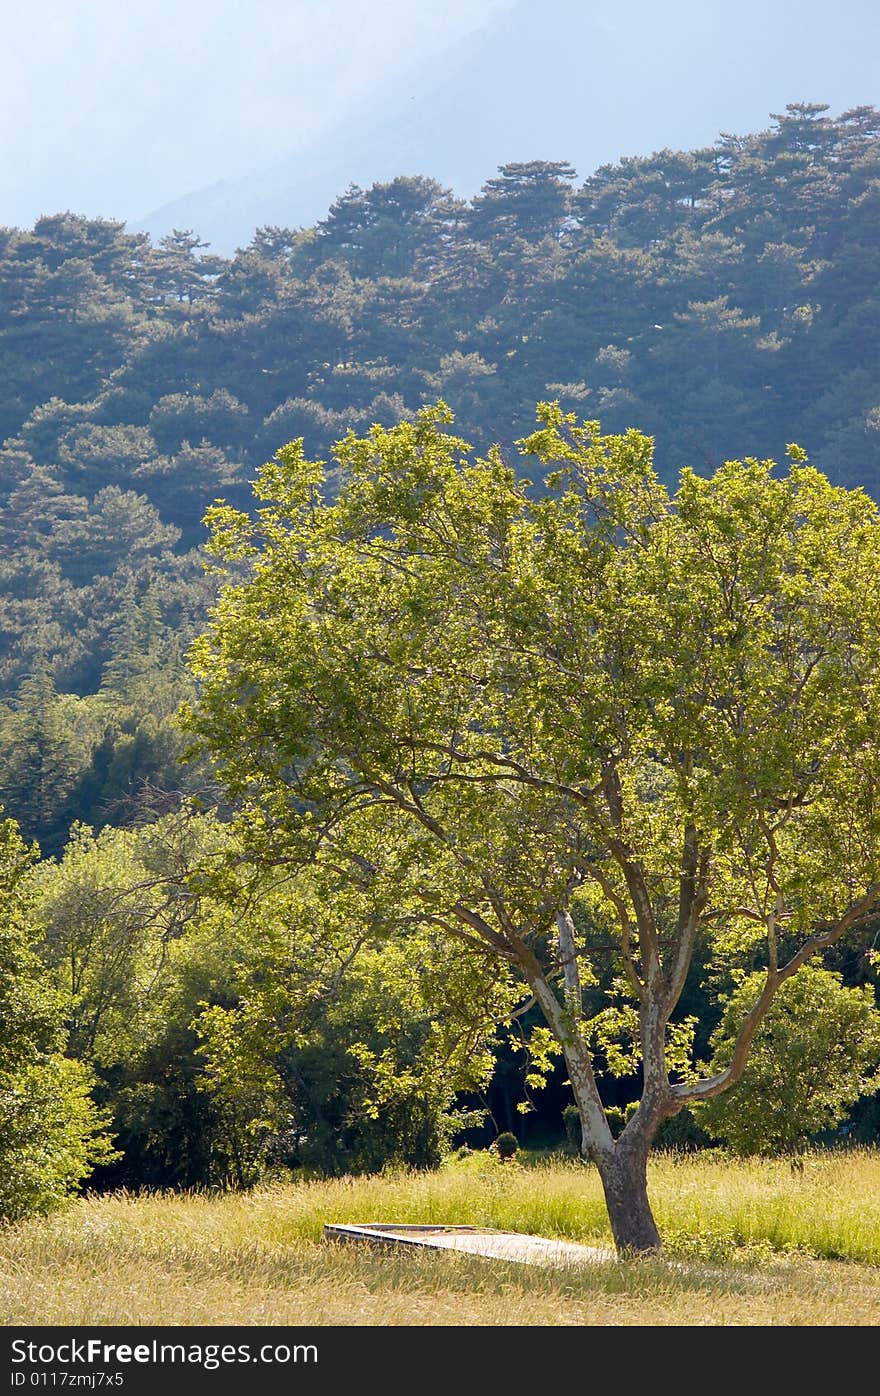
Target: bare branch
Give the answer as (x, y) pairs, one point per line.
(568, 959)
(694, 896)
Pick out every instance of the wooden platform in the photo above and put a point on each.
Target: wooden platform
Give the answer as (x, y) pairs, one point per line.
(476, 1240)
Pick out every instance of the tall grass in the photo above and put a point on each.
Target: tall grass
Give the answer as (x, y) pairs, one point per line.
(747, 1242)
(829, 1207)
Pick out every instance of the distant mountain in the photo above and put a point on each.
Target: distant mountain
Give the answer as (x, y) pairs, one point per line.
(299, 191)
(455, 121)
(406, 134)
(460, 118)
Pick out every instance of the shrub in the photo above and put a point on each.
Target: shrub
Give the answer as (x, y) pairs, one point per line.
(506, 1144)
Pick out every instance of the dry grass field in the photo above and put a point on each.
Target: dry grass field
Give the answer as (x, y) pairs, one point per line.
(748, 1243)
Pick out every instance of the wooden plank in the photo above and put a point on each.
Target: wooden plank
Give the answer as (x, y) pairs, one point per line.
(484, 1241)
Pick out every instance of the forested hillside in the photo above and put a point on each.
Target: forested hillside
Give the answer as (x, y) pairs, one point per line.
(724, 300)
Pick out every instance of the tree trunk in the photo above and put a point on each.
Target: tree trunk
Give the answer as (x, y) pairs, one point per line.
(624, 1174)
(623, 1162)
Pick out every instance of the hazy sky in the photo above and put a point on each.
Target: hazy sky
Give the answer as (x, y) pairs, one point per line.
(111, 108)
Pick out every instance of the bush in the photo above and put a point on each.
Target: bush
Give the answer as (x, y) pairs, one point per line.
(572, 1121)
(814, 1055)
(51, 1136)
(681, 1132)
(506, 1144)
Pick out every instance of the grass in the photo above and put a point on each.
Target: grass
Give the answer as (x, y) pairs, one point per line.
(747, 1243)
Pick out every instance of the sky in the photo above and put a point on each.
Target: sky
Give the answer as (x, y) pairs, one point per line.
(229, 109)
(113, 108)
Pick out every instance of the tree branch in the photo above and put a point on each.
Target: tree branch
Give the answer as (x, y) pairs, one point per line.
(714, 1085)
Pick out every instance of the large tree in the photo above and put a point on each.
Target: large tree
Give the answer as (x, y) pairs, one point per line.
(570, 726)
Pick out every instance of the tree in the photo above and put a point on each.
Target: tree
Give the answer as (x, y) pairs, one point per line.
(334, 1044)
(395, 229)
(528, 200)
(236, 1018)
(117, 911)
(830, 1032)
(40, 757)
(51, 1133)
(182, 273)
(501, 704)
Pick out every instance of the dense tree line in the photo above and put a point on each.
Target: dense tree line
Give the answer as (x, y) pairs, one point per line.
(723, 300)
